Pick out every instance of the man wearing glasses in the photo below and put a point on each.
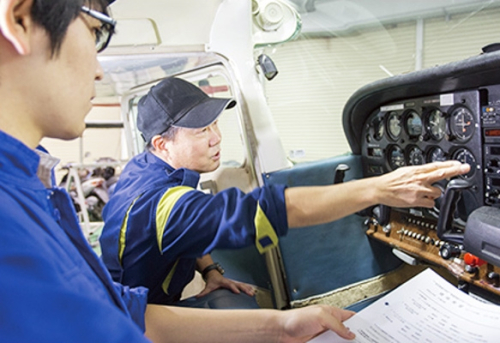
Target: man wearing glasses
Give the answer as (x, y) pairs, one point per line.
(53, 288)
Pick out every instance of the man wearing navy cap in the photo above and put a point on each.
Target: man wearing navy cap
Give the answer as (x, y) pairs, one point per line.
(157, 224)
(170, 227)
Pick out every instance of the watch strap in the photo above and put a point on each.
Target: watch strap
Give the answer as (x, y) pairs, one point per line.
(211, 267)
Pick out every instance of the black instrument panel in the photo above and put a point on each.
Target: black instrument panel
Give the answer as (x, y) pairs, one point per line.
(427, 129)
(447, 112)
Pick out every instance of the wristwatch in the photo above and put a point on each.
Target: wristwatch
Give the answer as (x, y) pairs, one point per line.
(211, 267)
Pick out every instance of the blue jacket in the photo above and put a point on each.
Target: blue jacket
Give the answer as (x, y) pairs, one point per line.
(157, 224)
(53, 288)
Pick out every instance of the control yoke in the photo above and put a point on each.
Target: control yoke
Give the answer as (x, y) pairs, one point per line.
(448, 207)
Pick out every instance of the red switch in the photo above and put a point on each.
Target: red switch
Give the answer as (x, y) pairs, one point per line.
(472, 260)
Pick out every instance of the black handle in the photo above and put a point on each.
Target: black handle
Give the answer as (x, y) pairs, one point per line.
(340, 173)
(448, 207)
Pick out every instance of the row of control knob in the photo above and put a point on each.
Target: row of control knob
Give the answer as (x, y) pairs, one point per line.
(421, 223)
(420, 237)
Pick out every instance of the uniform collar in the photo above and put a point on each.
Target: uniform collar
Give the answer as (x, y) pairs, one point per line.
(186, 177)
(45, 168)
(20, 162)
(16, 158)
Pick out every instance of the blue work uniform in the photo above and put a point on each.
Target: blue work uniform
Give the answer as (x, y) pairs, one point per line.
(53, 287)
(157, 224)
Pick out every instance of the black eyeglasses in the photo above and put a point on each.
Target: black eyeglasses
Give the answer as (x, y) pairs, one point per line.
(104, 33)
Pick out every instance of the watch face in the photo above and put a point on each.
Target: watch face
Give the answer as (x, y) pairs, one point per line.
(220, 269)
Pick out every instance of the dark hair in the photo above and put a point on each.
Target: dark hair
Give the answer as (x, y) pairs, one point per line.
(56, 16)
(168, 135)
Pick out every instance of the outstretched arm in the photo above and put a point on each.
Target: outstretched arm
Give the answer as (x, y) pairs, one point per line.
(404, 187)
(178, 324)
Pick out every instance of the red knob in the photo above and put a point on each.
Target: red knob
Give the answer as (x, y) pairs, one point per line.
(473, 261)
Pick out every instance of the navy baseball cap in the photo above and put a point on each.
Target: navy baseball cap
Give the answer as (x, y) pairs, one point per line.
(175, 102)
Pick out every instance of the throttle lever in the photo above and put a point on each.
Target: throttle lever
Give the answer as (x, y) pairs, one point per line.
(448, 206)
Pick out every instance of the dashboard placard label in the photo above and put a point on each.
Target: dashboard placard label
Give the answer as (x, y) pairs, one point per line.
(392, 107)
(446, 99)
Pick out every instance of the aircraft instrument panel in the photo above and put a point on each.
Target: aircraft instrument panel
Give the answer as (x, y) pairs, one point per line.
(429, 129)
(449, 112)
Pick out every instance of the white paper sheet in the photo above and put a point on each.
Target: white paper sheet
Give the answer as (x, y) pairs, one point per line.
(425, 309)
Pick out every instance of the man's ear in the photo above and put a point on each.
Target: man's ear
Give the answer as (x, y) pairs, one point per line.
(158, 143)
(16, 24)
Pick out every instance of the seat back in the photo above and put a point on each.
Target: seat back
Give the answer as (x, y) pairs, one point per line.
(326, 257)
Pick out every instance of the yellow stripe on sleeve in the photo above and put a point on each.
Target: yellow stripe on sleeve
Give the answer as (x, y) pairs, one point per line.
(123, 232)
(165, 206)
(265, 236)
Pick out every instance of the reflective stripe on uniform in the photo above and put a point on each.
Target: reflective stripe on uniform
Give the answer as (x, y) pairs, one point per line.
(165, 206)
(123, 232)
(265, 236)
(168, 279)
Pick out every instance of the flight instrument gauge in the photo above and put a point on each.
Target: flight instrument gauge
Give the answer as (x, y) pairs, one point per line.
(394, 125)
(377, 125)
(462, 123)
(396, 157)
(413, 124)
(436, 154)
(436, 124)
(415, 156)
(465, 156)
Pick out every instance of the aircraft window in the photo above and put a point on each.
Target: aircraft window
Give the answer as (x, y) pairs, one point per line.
(136, 142)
